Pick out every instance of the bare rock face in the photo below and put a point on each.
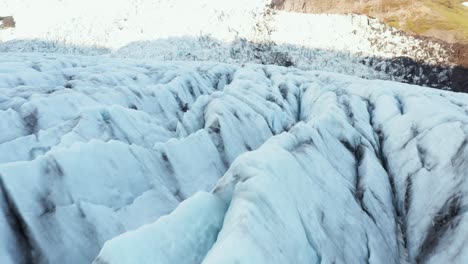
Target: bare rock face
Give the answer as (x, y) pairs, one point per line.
(461, 54)
(455, 62)
(278, 4)
(7, 22)
(444, 20)
(335, 6)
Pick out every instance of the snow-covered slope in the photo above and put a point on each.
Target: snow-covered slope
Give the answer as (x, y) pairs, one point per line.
(245, 31)
(114, 24)
(273, 165)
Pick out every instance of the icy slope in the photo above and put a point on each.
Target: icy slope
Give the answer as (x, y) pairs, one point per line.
(346, 169)
(372, 172)
(92, 149)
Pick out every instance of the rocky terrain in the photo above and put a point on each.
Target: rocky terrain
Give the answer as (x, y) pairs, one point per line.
(7, 22)
(446, 21)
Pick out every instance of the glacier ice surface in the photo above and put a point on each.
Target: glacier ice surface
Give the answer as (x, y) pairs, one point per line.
(249, 164)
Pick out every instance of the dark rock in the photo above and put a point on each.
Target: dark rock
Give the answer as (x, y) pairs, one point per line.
(7, 22)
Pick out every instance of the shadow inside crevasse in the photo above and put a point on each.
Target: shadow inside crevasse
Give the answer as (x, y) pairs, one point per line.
(240, 51)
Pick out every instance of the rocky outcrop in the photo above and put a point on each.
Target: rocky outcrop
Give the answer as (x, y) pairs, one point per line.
(460, 54)
(337, 6)
(400, 14)
(7, 22)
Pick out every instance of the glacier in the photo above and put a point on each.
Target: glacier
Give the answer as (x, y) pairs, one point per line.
(235, 32)
(116, 160)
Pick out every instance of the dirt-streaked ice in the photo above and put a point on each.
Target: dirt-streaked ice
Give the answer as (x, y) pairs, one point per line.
(293, 166)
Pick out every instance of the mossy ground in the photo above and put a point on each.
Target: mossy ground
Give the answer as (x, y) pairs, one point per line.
(444, 16)
(446, 20)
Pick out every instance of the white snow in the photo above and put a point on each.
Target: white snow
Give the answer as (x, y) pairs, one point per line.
(465, 4)
(114, 24)
(210, 30)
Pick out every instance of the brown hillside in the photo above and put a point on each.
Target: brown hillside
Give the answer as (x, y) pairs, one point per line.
(445, 20)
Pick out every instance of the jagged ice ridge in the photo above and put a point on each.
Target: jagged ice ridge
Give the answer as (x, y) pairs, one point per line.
(252, 164)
